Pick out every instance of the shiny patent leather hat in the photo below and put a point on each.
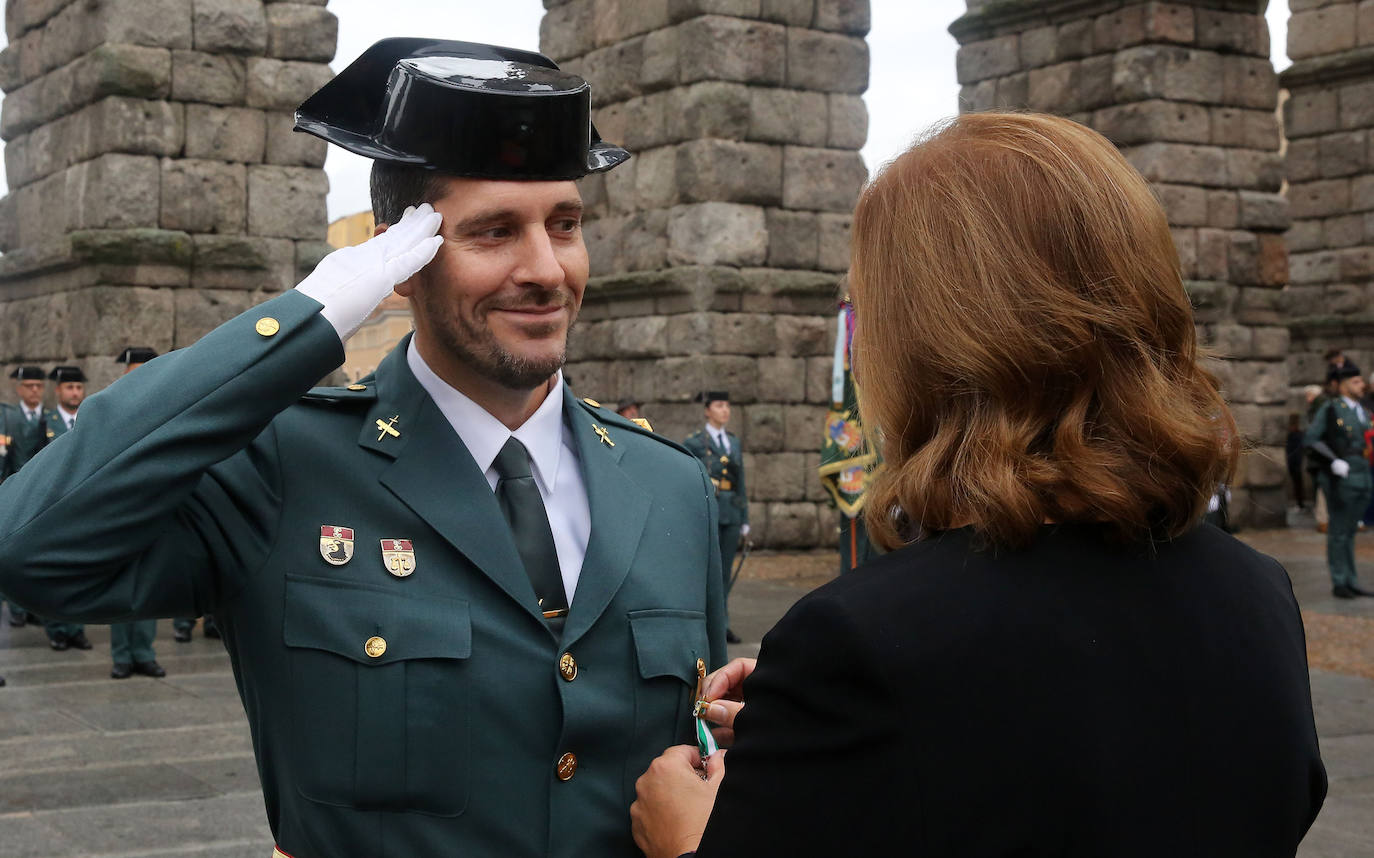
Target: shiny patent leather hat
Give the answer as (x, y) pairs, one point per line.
(461, 108)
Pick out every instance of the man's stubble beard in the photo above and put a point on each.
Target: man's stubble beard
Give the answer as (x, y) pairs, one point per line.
(474, 344)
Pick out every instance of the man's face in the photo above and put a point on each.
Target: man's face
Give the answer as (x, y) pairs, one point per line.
(1353, 387)
(70, 394)
(718, 412)
(30, 392)
(506, 285)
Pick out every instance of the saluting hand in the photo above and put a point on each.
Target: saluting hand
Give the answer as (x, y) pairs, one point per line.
(352, 281)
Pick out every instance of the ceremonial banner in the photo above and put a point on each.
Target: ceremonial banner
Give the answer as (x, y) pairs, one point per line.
(847, 461)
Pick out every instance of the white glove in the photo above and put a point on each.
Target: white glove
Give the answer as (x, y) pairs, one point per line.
(352, 281)
(744, 530)
(1340, 467)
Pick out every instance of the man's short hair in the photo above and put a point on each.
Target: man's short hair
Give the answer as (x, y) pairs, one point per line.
(1332, 353)
(395, 186)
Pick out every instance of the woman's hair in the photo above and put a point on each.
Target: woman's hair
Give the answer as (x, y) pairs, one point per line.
(1024, 343)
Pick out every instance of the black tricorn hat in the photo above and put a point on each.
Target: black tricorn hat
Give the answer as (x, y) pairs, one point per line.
(28, 373)
(1342, 372)
(136, 354)
(706, 397)
(462, 108)
(62, 374)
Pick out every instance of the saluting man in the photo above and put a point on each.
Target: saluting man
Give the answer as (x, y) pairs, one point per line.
(1337, 436)
(720, 452)
(22, 435)
(131, 643)
(465, 609)
(69, 384)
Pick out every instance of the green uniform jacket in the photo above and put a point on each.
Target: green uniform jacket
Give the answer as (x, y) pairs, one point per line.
(391, 716)
(724, 469)
(26, 438)
(1340, 427)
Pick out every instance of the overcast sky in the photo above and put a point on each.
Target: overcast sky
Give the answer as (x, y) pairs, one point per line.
(911, 82)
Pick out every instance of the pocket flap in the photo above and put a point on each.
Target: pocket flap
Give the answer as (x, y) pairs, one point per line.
(669, 642)
(342, 618)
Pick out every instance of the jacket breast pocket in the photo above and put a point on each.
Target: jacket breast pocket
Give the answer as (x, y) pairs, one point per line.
(667, 645)
(380, 702)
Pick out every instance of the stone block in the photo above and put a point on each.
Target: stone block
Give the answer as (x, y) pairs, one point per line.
(1179, 163)
(1260, 210)
(1322, 31)
(1356, 263)
(225, 133)
(1154, 120)
(243, 262)
(718, 48)
(717, 233)
(1185, 205)
(36, 328)
(621, 187)
(1356, 105)
(644, 336)
(1251, 129)
(843, 16)
(848, 125)
(287, 202)
(105, 319)
(805, 336)
(153, 23)
(793, 239)
(989, 58)
(1249, 82)
(1232, 32)
(1242, 258)
(789, 116)
(1075, 39)
(24, 15)
(1170, 22)
(203, 196)
(283, 84)
(1185, 244)
(1013, 91)
(644, 242)
(1364, 27)
(1170, 72)
(1273, 260)
(977, 97)
(1322, 266)
(230, 27)
(1305, 235)
(681, 10)
(792, 525)
(199, 311)
(762, 422)
(208, 78)
(1302, 161)
(1039, 47)
(1271, 343)
(568, 30)
(823, 179)
(834, 242)
(1119, 29)
(301, 32)
(290, 148)
(1232, 340)
(1342, 299)
(782, 379)
(114, 191)
(826, 62)
(711, 109)
(1213, 254)
(778, 476)
(124, 70)
(1342, 154)
(731, 172)
(1361, 193)
(1322, 198)
(1311, 111)
(1054, 88)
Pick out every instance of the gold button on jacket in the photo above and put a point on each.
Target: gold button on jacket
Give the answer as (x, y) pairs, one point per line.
(567, 767)
(375, 647)
(567, 666)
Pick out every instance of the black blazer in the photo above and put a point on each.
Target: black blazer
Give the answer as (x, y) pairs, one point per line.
(1072, 699)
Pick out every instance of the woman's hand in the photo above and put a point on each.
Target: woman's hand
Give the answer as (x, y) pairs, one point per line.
(725, 690)
(673, 802)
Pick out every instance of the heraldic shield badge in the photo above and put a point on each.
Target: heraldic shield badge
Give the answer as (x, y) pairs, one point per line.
(398, 556)
(336, 544)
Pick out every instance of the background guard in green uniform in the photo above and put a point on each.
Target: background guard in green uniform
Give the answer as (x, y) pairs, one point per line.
(848, 461)
(69, 383)
(23, 429)
(721, 454)
(377, 584)
(1337, 435)
(131, 643)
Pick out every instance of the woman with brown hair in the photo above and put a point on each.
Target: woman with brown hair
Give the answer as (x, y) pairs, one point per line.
(1056, 658)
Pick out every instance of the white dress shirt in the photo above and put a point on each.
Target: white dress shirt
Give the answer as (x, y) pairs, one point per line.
(721, 439)
(1355, 407)
(553, 459)
(31, 414)
(68, 417)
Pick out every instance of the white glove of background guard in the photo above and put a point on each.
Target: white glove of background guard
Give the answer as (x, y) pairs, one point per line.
(352, 281)
(1340, 467)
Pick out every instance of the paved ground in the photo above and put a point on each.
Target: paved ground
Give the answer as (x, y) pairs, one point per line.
(140, 768)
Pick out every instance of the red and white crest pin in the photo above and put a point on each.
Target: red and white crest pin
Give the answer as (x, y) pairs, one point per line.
(398, 556)
(336, 544)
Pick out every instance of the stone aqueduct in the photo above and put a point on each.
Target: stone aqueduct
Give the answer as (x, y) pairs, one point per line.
(156, 188)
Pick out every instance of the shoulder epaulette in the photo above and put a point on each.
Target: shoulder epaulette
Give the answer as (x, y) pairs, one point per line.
(360, 391)
(641, 426)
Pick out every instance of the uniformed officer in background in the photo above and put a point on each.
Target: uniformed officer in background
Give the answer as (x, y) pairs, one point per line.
(69, 385)
(131, 643)
(720, 452)
(464, 608)
(22, 435)
(1337, 436)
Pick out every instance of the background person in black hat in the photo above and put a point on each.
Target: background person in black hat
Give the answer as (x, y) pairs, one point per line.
(131, 643)
(464, 607)
(69, 385)
(1336, 435)
(721, 454)
(22, 436)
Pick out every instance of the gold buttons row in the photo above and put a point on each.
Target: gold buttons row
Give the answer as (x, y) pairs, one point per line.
(567, 667)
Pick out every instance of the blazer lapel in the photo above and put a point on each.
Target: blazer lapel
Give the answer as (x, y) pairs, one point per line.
(434, 474)
(619, 508)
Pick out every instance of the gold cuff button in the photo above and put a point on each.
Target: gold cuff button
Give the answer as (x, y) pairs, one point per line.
(567, 667)
(267, 326)
(357, 387)
(567, 767)
(375, 647)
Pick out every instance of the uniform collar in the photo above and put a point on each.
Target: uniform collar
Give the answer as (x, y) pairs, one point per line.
(67, 416)
(1352, 404)
(484, 435)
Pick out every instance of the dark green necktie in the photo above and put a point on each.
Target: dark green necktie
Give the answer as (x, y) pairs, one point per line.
(520, 502)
